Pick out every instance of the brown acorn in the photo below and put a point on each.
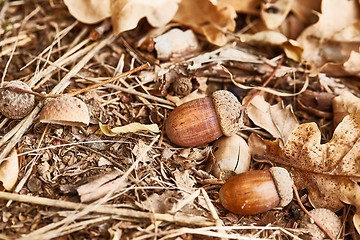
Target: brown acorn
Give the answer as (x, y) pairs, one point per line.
(204, 120)
(257, 191)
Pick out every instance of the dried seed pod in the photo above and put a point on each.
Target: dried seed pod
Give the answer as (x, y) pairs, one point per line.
(14, 103)
(182, 86)
(204, 120)
(65, 110)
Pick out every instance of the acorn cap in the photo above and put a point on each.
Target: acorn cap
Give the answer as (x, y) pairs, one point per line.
(283, 183)
(70, 111)
(327, 218)
(228, 110)
(14, 104)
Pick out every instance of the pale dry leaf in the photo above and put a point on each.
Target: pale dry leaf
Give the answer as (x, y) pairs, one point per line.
(344, 104)
(329, 40)
(352, 65)
(89, 11)
(305, 10)
(140, 151)
(159, 203)
(176, 44)
(9, 170)
(292, 27)
(264, 38)
(330, 171)
(131, 127)
(101, 186)
(205, 17)
(278, 120)
(273, 13)
(291, 48)
(126, 14)
(244, 6)
(193, 95)
(183, 180)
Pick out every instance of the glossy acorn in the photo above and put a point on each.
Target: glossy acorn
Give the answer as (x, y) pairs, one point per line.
(257, 191)
(204, 120)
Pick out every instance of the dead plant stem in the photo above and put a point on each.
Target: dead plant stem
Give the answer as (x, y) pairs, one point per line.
(180, 219)
(319, 224)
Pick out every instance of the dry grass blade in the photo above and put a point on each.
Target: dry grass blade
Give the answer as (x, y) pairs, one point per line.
(130, 213)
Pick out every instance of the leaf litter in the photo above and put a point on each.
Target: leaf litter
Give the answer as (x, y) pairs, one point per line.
(135, 183)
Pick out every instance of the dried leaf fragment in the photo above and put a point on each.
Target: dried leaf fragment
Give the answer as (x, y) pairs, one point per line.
(273, 13)
(278, 120)
(291, 48)
(126, 14)
(9, 170)
(205, 17)
(132, 127)
(344, 104)
(329, 41)
(100, 186)
(176, 44)
(89, 11)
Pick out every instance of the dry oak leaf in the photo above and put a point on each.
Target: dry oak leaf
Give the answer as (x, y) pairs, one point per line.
(9, 171)
(125, 14)
(327, 44)
(344, 104)
(291, 48)
(273, 13)
(244, 6)
(278, 120)
(205, 17)
(331, 171)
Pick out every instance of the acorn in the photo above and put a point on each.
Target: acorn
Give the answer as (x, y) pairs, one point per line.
(204, 120)
(14, 103)
(257, 191)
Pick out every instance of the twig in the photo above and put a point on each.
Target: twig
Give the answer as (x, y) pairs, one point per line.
(74, 227)
(218, 221)
(97, 32)
(319, 224)
(130, 213)
(268, 80)
(31, 14)
(96, 85)
(140, 94)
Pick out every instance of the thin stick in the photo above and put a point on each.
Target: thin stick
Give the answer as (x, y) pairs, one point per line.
(123, 212)
(319, 224)
(122, 75)
(218, 221)
(96, 85)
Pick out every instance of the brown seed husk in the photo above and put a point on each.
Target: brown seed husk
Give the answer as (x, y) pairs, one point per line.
(283, 183)
(70, 111)
(228, 109)
(13, 104)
